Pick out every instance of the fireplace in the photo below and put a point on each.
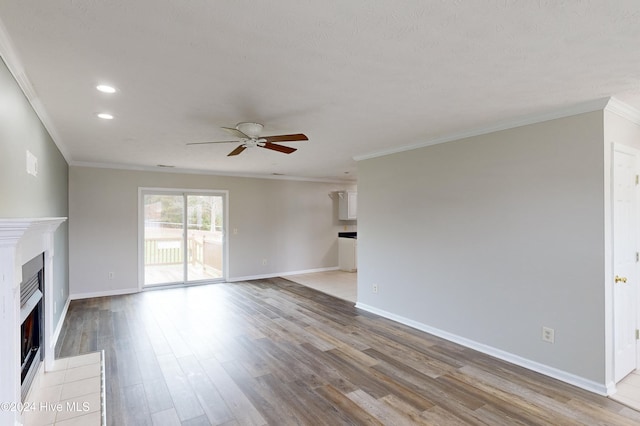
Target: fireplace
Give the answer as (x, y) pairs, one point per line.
(27, 329)
(31, 321)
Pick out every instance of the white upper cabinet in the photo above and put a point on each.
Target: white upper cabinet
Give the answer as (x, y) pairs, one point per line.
(347, 205)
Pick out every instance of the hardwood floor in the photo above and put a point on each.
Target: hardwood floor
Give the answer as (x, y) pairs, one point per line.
(275, 352)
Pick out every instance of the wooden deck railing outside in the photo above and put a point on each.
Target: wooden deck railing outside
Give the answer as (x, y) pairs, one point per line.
(168, 251)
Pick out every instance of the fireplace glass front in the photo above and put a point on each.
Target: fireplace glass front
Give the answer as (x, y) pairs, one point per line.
(31, 320)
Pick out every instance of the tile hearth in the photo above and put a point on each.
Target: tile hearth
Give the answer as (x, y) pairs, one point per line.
(72, 393)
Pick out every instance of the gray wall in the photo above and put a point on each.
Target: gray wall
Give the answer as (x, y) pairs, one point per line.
(490, 238)
(291, 223)
(22, 195)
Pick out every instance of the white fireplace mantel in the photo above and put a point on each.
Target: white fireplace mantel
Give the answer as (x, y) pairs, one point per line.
(20, 241)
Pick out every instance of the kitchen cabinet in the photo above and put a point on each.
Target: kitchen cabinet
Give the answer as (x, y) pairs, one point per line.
(348, 254)
(347, 205)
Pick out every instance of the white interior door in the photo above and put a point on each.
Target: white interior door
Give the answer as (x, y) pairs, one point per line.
(624, 261)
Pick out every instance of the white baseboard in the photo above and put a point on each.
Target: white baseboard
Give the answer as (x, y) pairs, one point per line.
(561, 375)
(281, 274)
(78, 296)
(63, 315)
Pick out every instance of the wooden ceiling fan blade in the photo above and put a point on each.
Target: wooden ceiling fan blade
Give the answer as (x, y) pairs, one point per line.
(237, 151)
(286, 138)
(204, 143)
(279, 148)
(236, 132)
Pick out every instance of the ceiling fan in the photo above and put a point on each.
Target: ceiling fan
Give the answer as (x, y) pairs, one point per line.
(249, 137)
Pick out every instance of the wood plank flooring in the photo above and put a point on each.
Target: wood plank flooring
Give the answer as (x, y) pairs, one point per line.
(275, 352)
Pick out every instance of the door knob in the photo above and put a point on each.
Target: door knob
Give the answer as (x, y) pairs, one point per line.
(620, 279)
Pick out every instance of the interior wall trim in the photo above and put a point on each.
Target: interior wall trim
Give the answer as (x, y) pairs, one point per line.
(58, 330)
(10, 57)
(106, 293)
(581, 108)
(281, 274)
(572, 379)
(178, 170)
(623, 110)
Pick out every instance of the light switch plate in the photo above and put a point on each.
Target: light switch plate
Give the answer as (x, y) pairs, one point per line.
(32, 164)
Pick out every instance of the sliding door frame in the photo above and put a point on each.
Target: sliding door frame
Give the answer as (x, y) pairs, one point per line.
(142, 191)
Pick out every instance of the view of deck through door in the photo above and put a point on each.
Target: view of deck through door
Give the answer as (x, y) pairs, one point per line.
(182, 238)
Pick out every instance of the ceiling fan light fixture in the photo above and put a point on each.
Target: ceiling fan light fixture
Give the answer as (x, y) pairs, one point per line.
(250, 129)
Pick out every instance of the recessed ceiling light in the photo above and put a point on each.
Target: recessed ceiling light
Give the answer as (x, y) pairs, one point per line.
(105, 116)
(106, 89)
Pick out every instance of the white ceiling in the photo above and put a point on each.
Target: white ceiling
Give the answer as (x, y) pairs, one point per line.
(357, 77)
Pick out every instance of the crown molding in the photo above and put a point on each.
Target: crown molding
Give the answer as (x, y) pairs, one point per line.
(581, 108)
(16, 68)
(156, 169)
(623, 110)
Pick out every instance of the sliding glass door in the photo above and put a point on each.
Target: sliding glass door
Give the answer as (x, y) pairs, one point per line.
(204, 237)
(182, 238)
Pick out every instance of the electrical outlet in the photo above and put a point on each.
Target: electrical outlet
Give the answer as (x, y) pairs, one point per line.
(374, 288)
(548, 335)
(264, 262)
(110, 275)
(235, 231)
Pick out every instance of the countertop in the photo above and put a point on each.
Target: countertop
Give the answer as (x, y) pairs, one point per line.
(347, 235)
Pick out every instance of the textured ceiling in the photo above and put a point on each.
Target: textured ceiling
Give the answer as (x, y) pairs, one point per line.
(357, 77)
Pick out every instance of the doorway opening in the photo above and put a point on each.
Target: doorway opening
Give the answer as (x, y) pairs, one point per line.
(182, 237)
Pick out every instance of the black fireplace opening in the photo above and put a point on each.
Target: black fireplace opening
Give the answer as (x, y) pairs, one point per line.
(31, 333)
(31, 320)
